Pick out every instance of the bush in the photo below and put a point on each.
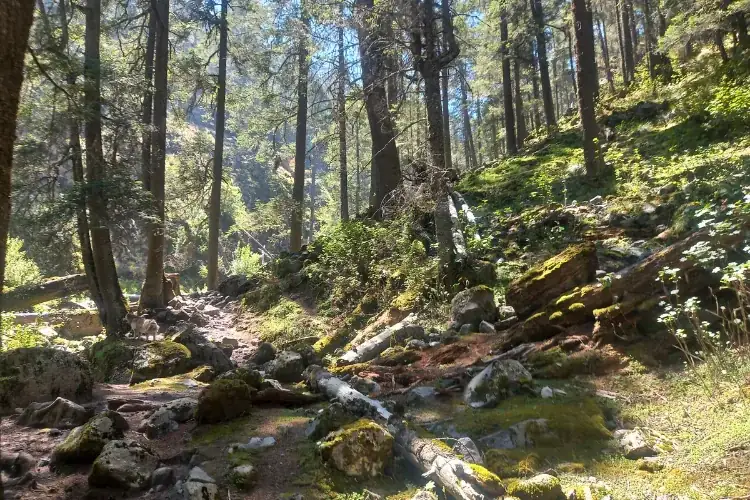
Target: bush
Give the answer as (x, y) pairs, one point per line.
(19, 269)
(18, 336)
(247, 262)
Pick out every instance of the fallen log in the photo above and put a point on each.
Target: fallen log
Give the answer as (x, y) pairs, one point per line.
(392, 335)
(462, 480)
(24, 297)
(471, 219)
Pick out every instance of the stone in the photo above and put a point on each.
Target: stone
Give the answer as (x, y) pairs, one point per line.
(123, 464)
(16, 468)
(236, 285)
(265, 353)
(497, 381)
(506, 323)
(365, 385)
(524, 434)
(211, 311)
(596, 200)
(202, 351)
(540, 487)
(243, 476)
(286, 367)
(329, 419)
(198, 318)
(254, 443)
(420, 395)
(633, 444)
(223, 400)
(135, 407)
(505, 312)
(163, 476)
(200, 476)
(160, 359)
(424, 495)
(167, 417)
(59, 414)
(252, 378)
(83, 444)
(466, 447)
(416, 345)
(201, 491)
(465, 329)
(361, 449)
(474, 305)
(547, 392)
(40, 374)
(487, 327)
(229, 341)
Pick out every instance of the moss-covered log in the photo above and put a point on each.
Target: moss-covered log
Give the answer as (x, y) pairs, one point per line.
(24, 297)
(574, 267)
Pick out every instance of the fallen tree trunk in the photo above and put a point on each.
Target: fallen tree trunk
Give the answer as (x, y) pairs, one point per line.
(459, 478)
(24, 297)
(471, 219)
(392, 335)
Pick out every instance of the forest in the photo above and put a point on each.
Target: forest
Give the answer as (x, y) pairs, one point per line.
(375, 249)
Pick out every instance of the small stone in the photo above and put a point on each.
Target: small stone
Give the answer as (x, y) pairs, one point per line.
(123, 464)
(164, 476)
(416, 344)
(200, 476)
(420, 395)
(211, 311)
(243, 476)
(497, 381)
(201, 491)
(466, 447)
(487, 327)
(505, 312)
(596, 200)
(541, 487)
(255, 443)
(506, 323)
(547, 393)
(365, 385)
(229, 341)
(633, 444)
(465, 329)
(265, 353)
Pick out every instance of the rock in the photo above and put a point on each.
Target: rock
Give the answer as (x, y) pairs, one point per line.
(265, 353)
(366, 386)
(204, 373)
(633, 444)
(243, 476)
(465, 329)
(547, 393)
(135, 407)
(309, 356)
(202, 351)
(163, 476)
(229, 341)
(420, 395)
(252, 378)
(397, 356)
(505, 312)
(329, 419)
(198, 475)
(541, 487)
(111, 360)
(223, 400)
(254, 443)
(466, 447)
(198, 319)
(474, 305)
(83, 444)
(575, 266)
(524, 434)
(286, 367)
(498, 381)
(487, 327)
(59, 414)
(596, 200)
(161, 359)
(424, 495)
(200, 486)
(271, 391)
(40, 374)
(361, 449)
(416, 345)
(211, 311)
(236, 285)
(123, 464)
(167, 417)
(506, 323)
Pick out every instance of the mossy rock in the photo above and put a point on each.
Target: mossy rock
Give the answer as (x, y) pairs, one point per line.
(360, 449)
(498, 381)
(252, 378)
(555, 364)
(223, 400)
(161, 359)
(541, 487)
(329, 343)
(487, 480)
(263, 298)
(474, 305)
(512, 463)
(397, 356)
(84, 443)
(243, 476)
(111, 360)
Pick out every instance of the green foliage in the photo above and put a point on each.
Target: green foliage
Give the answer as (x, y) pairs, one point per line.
(247, 262)
(19, 268)
(16, 336)
(287, 321)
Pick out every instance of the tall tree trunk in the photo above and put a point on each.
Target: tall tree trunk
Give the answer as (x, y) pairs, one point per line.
(16, 17)
(300, 147)
(572, 61)
(605, 55)
(446, 119)
(521, 133)
(510, 123)
(101, 244)
(621, 44)
(633, 32)
(148, 101)
(313, 195)
(556, 86)
(344, 185)
(535, 87)
(471, 155)
(152, 294)
(627, 43)
(386, 167)
(359, 174)
(494, 133)
(719, 41)
(740, 25)
(541, 51)
(479, 133)
(586, 90)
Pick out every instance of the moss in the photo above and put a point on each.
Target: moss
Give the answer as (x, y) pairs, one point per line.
(207, 434)
(166, 349)
(407, 300)
(350, 369)
(555, 315)
(177, 383)
(553, 363)
(263, 298)
(224, 399)
(487, 479)
(107, 356)
(396, 356)
(512, 463)
(571, 467)
(539, 488)
(329, 343)
(576, 307)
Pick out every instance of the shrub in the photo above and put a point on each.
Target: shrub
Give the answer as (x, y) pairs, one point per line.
(19, 269)
(247, 262)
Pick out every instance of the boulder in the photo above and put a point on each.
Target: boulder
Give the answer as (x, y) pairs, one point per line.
(59, 414)
(243, 476)
(421, 395)
(633, 444)
(39, 374)
(474, 305)
(236, 285)
(211, 311)
(365, 385)
(111, 360)
(201, 486)
(286, 367)
(204, 373)
(497, 381)
(167, 417)
(574, 267)
(163, 476)
(84, 443)
(161, 359)
(223, 400)
(541, 487)
(123, 464)
(202, 351)
(329, 419)
(487, 327)
(467, 449)
(15, 469)
(252, 378)
(524, 434)
(265, 353)
(361, 449)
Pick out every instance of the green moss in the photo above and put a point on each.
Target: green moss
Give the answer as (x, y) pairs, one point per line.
(540, 488)
(225, 431)
(487, 479)
(396, 356)
(263, 298)
(555, 315)
(166, 349)
(225, 399)
(328, 343)
(407, 300)
(287, 321)
(107, 356)
(553, 363)
(512, 463)
(576, 307)
(177, 383)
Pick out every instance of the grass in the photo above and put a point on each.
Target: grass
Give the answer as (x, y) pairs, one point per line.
(287, 321)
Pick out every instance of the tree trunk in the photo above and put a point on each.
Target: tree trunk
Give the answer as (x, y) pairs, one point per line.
(15, 20)
(535, 88)
(541, 50)
(742, 34)
(386, 167)
(650, 39)
(359, 174)
(300, 148)
(510, 124)
(479, 133)
(27, 296)
(446, 120)
(313, 194)
(152, 294)
(471, 155)
(148, 101)
(573, 62)
(627, 41)
(605, 55)
(114, 306)
(719, 41)
(521, 133)
(621, 44)
(633, 32)
(342, 124)
(586, 90)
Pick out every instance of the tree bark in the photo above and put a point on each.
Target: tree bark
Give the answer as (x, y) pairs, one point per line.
(541, 50)
(471, 155)
(605, 55)
(152, 293)
(386, 166)
(25, 297)
(313, 194)
(359, 174)
(719, 41)
(446, 119)
(586, 90)
(16, 17)
(627, 43)
(510, 123)
(521, 133)
(535, 88)
(148, 101)
(341, 99)
(300, 147)
(573, 62)
(621, 43)
(480, 128)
